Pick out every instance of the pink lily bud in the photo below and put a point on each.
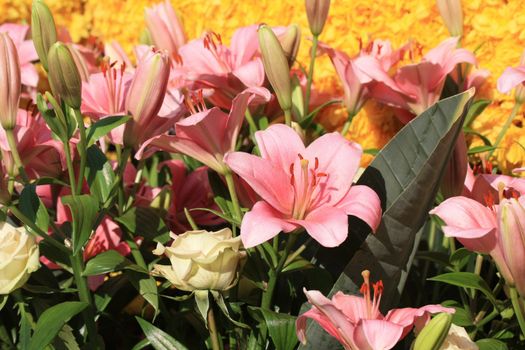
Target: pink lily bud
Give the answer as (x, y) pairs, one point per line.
(290, 42)
(317, 12)
(452, 15)
(146, 92)
(276, 66)
(165, 27)
(10, 82)
(64, 77)
(511, 221)
(43, 30)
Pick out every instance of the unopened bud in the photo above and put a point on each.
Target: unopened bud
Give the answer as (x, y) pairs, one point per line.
(275, 66)
(317, 12)
(63, 74)
(290, 42)
(10, 82)
(519, 92)
(452, 15)
(80, 62)
(43, 30)
(433, 335)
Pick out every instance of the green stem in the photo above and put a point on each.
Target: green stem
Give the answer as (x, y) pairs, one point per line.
(70, 168)
(136, 182)
(273, 274)
(16, 156)
(297, 252)
(84, 295)
(190, 219)
(313, 55)
(214, 333)
(29, 223)
(288, 117)
(251, 122)
(347, 124)
(487, 319)
(505, 127)
(517, 309)
(237, 214)
(122, 158)
(82, 150)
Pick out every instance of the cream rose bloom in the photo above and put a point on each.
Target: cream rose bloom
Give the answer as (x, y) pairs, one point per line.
(458, 339)
(201, 260)
(18, 257)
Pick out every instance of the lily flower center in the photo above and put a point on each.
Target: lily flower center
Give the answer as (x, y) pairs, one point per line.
(113, 77)
(194, 102)
(304, 184)
(213, 43)
(372, 302)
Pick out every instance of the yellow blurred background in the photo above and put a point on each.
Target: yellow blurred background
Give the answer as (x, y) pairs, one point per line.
(494, 29)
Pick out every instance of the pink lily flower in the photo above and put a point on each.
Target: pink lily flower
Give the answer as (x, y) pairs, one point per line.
(165, 27)
(300, 186)
(26, 51)
(475, 222)
(206, 135)
(511, 78)
(355, 86)
(208, 64)
(190, 191)
(357, 323)
(40, 153)
(415, 87)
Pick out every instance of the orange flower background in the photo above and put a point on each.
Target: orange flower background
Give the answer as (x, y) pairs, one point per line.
(494, 29)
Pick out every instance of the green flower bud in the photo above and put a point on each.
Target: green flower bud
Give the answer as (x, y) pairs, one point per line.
(433, 335)
(276, 66)
(317, 12)
(290, 42)
(43, 30)
(64, 77)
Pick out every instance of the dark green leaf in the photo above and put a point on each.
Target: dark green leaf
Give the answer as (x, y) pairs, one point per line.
(281, 328)
(31, 205)
(159, 339)
(146, 286)
(84, 211)
(99, 174)
(103, 126)
(145, 222)
(105, 262)
(475, 110)
(491, 344)
(51, 119)
(51, 322)
(466, 280)
(406, 174)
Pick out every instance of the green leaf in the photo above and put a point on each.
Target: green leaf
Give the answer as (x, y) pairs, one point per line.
(217, 296)
(145, 222)
(406, 174)
(467, 280)
(51, 322)
(105, 262)
(475, 110)
(31, 205)
(491, 344)
(202, 301)
(281, 328)
(146, 286)
(297, 99)
(103, 126)
(100, 176)
(51, 119)
(159, 339)
(84, 211)
(480, 149)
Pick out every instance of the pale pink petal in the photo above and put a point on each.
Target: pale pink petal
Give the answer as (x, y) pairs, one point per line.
(511, 78)
(270, 143)
(377, 335)
(206, 129)
(261, 224)
(327, 225)
(352, 306)
(270, 182)
(364, 203)
(251, 74)
(29, 75)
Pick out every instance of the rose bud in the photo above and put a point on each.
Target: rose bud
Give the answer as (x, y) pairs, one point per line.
(19, 253)
(317, 12)
(290, 42)
(43, 30)
(10, 82)
(452, 15)
(276, 66)
(201, 260)
(63, 74)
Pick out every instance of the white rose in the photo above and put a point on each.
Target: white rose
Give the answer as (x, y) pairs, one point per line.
(458, 339)
(201, 260)
(18, 257)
